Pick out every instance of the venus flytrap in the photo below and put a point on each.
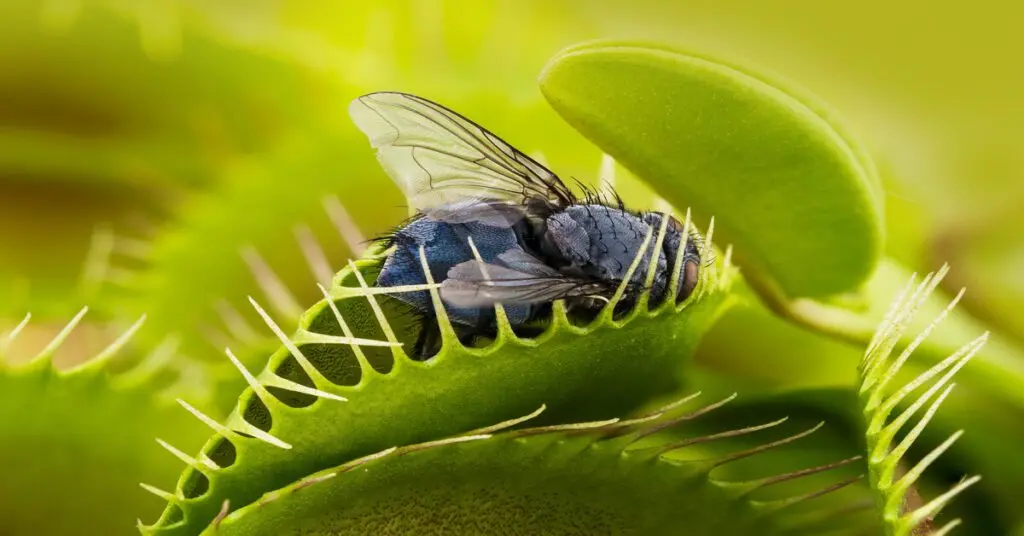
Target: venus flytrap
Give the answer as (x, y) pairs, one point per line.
(892, 483)
(238, 255)
(795, 193)
(576, 478)
(339, 430)
(235, 331)
(82, 435)
(351, 346)
(568, 476)
(342, 384)
(733, 143)
(689, 125)
(341, 392)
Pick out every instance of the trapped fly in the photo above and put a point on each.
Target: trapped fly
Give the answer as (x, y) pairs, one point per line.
(477, 197)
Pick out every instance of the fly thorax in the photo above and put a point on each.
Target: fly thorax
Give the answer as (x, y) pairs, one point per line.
(601, 242)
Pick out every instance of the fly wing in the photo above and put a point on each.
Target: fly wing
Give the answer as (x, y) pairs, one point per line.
(491, 213)
(520, 279)
(438, 157)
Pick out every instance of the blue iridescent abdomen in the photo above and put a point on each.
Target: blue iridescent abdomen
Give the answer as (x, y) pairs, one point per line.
(445, 245)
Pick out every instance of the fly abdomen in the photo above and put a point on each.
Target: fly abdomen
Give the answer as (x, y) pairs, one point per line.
(445, 246)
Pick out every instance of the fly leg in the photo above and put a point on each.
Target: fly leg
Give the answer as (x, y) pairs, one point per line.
(485, 327)
(428, 344)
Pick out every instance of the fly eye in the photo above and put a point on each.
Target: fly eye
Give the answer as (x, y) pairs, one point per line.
(690, 273)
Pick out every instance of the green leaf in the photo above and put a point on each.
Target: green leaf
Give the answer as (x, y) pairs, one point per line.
(77, 441)
(601, 370)
(904, 513)
(789, 189)
(582, 478)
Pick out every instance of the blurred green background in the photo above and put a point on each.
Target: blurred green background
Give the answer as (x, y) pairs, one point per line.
(144, 144)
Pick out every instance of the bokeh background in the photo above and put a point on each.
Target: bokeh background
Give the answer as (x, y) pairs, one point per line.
(154, 153)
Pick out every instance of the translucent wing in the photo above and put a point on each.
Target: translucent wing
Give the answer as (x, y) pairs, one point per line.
(519, 279)
(438, 157)
(476, 210)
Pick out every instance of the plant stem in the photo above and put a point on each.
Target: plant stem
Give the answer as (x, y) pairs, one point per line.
(999, 365)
